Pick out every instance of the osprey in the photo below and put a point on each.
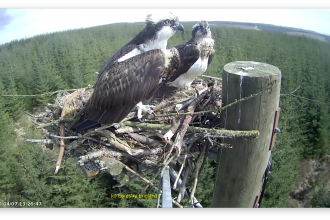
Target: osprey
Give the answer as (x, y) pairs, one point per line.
(131, 74)
(195, 55)
(189, 60)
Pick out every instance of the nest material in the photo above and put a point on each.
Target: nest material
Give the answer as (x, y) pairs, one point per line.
(177, 132)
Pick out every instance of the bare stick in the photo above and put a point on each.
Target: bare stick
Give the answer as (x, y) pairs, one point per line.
(215, 133)
(211, 77)
(100, 153)
(141, 177)
(174, 127)
(67, 138)
(34, 116)
(60, 120)
(218, 109)
(42, 141)
(153, 179)
(178, 177)
(182, 188)
(142, 139)
(60, 155)
(179, 138)
(174, 176)
(62, 130)
(196, 175)
(176, 203)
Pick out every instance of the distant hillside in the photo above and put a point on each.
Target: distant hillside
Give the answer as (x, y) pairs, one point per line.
(261, 27)
(273, 28)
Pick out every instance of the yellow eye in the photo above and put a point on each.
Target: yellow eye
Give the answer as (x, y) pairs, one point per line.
(167, 21)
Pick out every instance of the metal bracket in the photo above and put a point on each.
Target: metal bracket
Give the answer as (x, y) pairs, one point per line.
(256, 202)
(276, 118)
(166, 189)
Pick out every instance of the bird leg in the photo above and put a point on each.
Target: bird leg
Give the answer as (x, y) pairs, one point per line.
(145, 109)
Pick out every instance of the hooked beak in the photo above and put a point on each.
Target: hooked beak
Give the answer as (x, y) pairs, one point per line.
(179, 27)
(204, 31)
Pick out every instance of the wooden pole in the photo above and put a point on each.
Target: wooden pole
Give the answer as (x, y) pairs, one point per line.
(240, 170)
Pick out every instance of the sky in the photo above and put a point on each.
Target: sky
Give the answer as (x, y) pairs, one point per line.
(19, 21)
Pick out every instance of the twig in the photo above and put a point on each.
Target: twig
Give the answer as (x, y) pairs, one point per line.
(33, 116)
(178, 177)
(100, 153)
(142, 139)
(62, 130)
(60, 155)
(176, 145)
(42, 141)
(211, 77)
(55, 122)
(196, 175)
(187, 120)
(215, 133)
(82, 96)
(141, 177)
(68, 137)
(113, 143)
(182, 188)
(134, 178)
(153, 179)
(146, 180)
(204, 160)
(217, 109)
(174, 127)
(128, 129)
(177, 204)
(174, 176)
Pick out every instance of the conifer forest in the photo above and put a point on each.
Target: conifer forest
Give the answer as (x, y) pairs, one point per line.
(69, 60)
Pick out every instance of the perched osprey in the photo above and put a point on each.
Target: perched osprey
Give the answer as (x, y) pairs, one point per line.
(189, 60)
(131, 74)
(195, 55)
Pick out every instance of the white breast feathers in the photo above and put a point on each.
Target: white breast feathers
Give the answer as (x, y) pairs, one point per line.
(197, 69)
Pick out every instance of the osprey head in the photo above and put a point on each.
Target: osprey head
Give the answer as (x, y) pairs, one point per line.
(162, 26)
(201, 30)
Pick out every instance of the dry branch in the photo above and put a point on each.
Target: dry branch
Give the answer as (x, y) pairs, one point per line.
(69, 99)
(196, 175)
(216, 133)
(42, 141)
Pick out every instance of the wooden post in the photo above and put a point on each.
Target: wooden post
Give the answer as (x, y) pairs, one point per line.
(240, 170)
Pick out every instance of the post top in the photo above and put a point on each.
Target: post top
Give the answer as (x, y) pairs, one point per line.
(251, 68)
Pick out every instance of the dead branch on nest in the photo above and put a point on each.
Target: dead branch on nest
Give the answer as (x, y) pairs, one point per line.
(196, 175)
(215, 133)
(42, 141)
(62, 131)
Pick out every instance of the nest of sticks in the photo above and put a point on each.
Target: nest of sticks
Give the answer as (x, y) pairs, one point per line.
(186, 128)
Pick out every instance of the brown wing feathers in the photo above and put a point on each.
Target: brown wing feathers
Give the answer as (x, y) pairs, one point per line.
(189, 54)
(125, 84)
